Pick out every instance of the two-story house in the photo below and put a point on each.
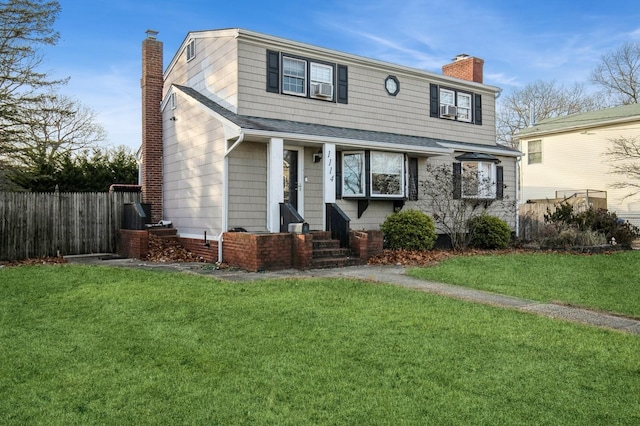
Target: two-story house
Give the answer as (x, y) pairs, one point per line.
(246, 131)
(567, 155)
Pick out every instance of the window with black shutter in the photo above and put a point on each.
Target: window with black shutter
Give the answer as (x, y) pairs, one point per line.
(453, 104)
(308, 78)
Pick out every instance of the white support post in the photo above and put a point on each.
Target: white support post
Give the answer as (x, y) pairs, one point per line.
(329, 172)
(328, 178)
(275, 188)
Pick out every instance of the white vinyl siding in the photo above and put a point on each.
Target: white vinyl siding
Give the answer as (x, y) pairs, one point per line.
(576, 161)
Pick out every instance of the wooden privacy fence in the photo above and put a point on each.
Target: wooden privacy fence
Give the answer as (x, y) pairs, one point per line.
(531, 222)
(60, 223)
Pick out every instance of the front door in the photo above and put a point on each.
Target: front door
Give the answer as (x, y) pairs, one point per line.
(290, 175)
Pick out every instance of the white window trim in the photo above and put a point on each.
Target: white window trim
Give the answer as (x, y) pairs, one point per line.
(362, 175)
(191, 49)
(453, 96)
(330, 81)
(363, 183)
(402, 177)
(456, 95)
(482, 194)
(459, 94)
(304, 77)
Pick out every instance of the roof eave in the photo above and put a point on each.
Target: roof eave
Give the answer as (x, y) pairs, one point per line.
(459, 146)
(346, 142)
(574, 128)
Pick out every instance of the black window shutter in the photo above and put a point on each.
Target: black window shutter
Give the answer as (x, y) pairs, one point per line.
(413, 179)
(434, 100)
(457, 181)
(367, 173)
(273, 71)
(338, 175)
(343, 83)
(478, 109)
(499, 182)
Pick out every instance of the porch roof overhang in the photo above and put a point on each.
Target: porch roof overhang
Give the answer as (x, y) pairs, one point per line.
(262, 129)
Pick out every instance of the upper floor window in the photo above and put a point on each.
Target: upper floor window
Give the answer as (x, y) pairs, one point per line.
(191, 49)
(453, 104)
(306, 77)
(534, 152)
(294, 73)
(464, 106)
(321, 80)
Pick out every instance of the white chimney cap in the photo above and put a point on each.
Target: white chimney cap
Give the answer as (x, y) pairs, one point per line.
(151, 34)
(460, 57)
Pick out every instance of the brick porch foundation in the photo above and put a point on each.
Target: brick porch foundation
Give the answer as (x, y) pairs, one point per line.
(253, 252)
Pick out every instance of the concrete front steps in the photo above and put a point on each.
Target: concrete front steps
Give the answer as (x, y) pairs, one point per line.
(327, 253)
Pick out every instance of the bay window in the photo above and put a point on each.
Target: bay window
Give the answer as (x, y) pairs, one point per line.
(353, 174)
(373, 174)
(478, 180)
(387, 174)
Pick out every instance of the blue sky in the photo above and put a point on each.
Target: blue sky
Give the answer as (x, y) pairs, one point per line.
(520, 41)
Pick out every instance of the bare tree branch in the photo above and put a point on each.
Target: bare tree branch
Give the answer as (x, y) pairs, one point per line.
(624, 156)
(25, 25)
(618, 74)
(547, 99)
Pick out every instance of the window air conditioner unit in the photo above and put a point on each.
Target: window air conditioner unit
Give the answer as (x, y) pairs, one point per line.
(448, 111)
(324, 90)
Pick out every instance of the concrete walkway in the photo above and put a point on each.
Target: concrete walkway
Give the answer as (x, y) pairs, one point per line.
(391, 275)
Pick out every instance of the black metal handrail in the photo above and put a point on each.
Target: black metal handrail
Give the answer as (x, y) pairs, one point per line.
(338, 224)
(288, 214)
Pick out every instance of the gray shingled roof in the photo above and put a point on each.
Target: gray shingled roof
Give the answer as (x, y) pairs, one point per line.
(585, 119)
(319, 130)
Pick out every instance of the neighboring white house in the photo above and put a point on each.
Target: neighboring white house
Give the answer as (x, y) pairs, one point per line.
(567, 154)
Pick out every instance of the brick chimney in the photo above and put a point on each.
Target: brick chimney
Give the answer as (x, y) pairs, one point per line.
(151, 83)
(465, 67)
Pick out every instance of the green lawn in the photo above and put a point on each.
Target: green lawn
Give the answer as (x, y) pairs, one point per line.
(609, 282)
(91, 345)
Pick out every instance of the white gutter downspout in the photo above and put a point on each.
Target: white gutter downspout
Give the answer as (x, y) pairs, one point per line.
(225, 193)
